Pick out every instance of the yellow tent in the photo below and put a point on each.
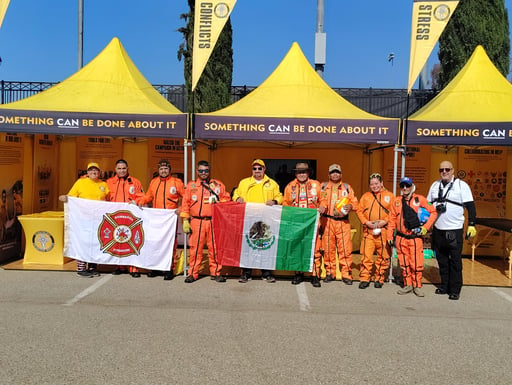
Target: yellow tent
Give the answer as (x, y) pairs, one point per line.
(295, 104)
(475, 108)
(109, 96)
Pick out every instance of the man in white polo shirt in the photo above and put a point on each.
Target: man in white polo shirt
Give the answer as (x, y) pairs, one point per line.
(450, 196)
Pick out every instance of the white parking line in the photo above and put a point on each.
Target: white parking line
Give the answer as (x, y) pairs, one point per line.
(303, 297)
(501, 294)
(91, 289)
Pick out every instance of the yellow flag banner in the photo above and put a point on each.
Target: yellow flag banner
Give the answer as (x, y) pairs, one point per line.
(3, 8)
(209, 20)
(429, 18)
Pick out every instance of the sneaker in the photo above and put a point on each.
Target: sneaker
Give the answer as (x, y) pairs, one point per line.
(220, 279)
(299, 277)
(329, 278)
(454, 297)
(269, 278)
(347, 281)
(419, 292)
(84, 274)
(315, 282)
(189, 279)
(244, 278)
(135, 274)
(441, 291)
(405, 290)
(94, 272)
(168, 275)
(377, 285)
(364, 284)
(117, 271)
(153, 273)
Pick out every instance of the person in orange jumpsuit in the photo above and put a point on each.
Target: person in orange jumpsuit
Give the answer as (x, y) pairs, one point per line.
(405, 232)
(305, 192)
(196, 211)
(124, 188)
(373, 212)
(164, 192)
(336, 226)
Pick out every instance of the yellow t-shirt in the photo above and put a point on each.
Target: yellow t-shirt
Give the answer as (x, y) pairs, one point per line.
(88, 189)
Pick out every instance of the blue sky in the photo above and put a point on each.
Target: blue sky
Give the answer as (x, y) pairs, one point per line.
(38, 38)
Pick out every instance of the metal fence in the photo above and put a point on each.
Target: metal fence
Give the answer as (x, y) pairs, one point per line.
(391, 103)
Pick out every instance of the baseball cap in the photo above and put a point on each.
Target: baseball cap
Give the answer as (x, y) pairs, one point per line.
(334, 167)
(406, 180)
(164, 163)
(93, 165)
(258, 161)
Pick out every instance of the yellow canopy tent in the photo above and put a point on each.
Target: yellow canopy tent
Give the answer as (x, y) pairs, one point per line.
(109, 96)
(475, 108)
(294, 104)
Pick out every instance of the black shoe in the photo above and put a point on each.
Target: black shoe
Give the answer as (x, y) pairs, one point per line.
(244, 278)
(269, 278)
(377, 285)
(441, 291)
(329, 278)
(168, 275)
(94, 272)
(153, 273)
(117, 271)
(220, 279)
(299, 277)
(189, 279)
(362, 284)
(315, 282)
(84, 274)
(454, 297)
(347, 281)
(135, 274)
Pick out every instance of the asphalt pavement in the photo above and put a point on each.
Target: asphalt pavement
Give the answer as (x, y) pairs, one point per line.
(58, 328)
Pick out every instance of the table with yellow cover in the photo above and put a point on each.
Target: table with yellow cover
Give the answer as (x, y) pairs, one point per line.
(44, 234)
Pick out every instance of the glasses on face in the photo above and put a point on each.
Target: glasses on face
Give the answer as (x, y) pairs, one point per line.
(257, 168)
(403, 185)
(335, 172)
(203, 171)
(301, 172)
(445, 169)
(375, 175)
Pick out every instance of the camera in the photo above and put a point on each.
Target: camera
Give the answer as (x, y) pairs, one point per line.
(441, 208)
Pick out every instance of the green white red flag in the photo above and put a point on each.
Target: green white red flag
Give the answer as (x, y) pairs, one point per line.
(255, 235)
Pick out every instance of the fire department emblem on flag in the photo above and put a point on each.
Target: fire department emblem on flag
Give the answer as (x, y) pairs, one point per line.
(120, 234)
(260, 237)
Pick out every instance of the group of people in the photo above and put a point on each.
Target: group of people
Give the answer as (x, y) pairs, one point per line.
(387, 221)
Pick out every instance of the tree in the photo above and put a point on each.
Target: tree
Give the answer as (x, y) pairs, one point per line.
(213, 91)
(474, 22)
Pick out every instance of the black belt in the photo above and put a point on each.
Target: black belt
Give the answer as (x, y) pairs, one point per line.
(335, 218)
(407, 236)
(207, 218)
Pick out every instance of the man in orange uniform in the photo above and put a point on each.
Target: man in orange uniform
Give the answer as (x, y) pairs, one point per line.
(196, 211)
(305, 192)
(336, 226)
(404, 225)
(124, 188)
(373, 212)
(165, 192)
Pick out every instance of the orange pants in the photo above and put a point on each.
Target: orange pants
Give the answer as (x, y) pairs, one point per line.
(369, 245)
(317, 263)
(201, 233)
(410, 257)
(336, 236)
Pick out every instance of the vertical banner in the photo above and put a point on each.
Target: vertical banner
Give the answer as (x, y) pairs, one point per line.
(11, 205)
(209, 20)
(484, 169)
(170, 149)
(417, 166)
(45, 166)
(3, 9)
(101, 149)
(429, 18)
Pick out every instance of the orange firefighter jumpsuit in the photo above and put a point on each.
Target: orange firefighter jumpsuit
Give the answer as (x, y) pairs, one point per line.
(197, 205)
(307, 195)
(374, 207)
(409, 246)
(124, 189)
(336, 228)
(164, 193)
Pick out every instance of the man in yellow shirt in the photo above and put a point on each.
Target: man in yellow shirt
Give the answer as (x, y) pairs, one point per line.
(258, 188)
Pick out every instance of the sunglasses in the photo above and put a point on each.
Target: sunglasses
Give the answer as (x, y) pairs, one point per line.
(403, 185)
(257, 168)
(301, 172)
(375, 175)
(335, 172)
(203, 171)
(446, 169)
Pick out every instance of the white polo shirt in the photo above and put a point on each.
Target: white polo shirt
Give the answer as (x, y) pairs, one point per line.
(453, 217)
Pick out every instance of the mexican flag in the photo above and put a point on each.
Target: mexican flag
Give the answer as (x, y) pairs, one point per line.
(255, 235)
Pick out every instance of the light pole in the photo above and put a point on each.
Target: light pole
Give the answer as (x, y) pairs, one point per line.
(80, 34)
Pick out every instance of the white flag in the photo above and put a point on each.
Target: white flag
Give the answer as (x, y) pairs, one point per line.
(112, 233)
